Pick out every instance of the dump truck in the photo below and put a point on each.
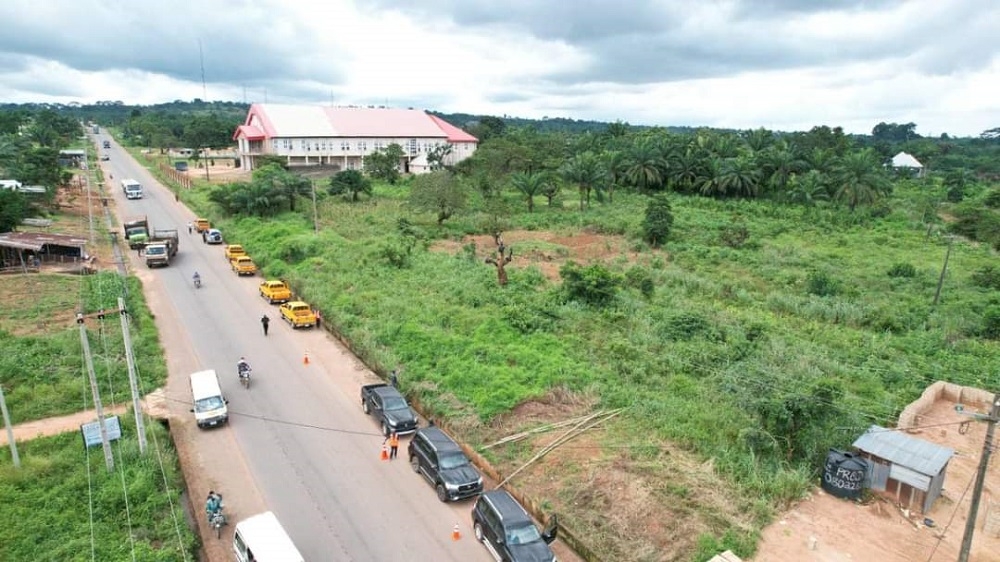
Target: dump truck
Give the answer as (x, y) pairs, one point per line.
(161, 248)
(136, 232)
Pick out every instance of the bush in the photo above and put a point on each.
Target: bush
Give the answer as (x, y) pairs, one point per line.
(641, 279)
(593, 284)
(658, 221)
(735, 235)
(992, 199)
(991, 323)
(903, 269)
(987, 277)
(822, 285)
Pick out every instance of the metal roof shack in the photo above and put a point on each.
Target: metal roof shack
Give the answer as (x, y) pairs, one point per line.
(27, 250)
(910, 469)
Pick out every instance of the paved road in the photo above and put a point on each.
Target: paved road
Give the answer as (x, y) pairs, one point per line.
(312, 453)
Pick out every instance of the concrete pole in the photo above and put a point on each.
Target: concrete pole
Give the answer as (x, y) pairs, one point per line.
(140, 427)
(10, 430)
(977, 492)
(97, 395)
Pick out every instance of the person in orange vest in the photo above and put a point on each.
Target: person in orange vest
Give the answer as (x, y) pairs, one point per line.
(393, 440)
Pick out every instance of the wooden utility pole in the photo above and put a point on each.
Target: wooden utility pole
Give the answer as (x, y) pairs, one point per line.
(977, 492)
(140, 427)
(97, 395)
(944, 270)
(10, 430)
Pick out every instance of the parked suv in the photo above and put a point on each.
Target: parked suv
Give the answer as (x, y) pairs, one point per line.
(441, 461)
(508, 532)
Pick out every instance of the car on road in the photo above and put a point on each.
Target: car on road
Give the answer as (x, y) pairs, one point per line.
(439, 459)
(389, 407)
(275, 291)
(105, 157)
(234, 251)
(298, 314)
(212, 236)
(244, 265)
(508, 532)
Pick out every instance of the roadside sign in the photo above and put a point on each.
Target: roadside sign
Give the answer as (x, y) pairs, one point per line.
(92, 431)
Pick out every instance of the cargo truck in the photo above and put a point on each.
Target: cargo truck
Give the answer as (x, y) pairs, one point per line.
(132, 189)
(136, 232)
(161, 248)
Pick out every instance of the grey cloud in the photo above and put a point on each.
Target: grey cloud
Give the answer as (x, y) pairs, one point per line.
(240, 41)
(650, 41)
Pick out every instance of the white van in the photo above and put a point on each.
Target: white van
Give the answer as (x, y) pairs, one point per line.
(261, 538)
(209, 404)
(132, 189)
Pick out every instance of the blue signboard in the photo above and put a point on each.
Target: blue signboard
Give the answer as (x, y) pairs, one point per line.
(92, 431)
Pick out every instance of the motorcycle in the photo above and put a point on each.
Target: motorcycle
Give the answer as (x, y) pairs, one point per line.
(245, 376)
(197, 282)
(217, 519)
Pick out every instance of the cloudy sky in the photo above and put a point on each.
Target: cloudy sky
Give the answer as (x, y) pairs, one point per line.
(780, 64)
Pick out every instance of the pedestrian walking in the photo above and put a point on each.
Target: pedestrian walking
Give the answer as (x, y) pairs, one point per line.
(393, 440)
(394, 376)
(319, 319)
(265, 322)
(190, 228)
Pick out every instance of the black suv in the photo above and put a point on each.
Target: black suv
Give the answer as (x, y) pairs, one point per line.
(441, 461)
(507, 530)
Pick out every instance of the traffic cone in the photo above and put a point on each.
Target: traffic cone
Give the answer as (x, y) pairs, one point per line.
(385, 453)
(455, 535)
(305, 358)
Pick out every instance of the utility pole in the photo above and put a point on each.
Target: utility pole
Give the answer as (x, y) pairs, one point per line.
(944, 270)
(97, 395)
(10, 430)
(312, 182)
(984, 463)
(140, 428)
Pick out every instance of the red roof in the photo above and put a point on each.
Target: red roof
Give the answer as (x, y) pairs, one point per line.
(454, 133)
(248, 132)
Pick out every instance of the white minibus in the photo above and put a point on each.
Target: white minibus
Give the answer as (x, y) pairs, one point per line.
(261, 538)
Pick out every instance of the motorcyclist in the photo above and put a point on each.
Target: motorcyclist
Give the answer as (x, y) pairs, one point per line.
(213, 504)
(242, 367)
(196, 278)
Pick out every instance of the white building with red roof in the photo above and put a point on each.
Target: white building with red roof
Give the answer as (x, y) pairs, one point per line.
(308, 135)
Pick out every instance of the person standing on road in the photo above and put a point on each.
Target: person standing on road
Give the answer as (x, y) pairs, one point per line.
(265, 321)
(319, 318)
(393, 440)
(190, 228)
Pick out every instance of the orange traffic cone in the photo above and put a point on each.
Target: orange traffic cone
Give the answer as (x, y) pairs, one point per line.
(455, 535)
(385, 453)
(305, 358)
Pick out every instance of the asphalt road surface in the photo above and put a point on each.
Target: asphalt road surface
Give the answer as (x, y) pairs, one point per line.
(312, 454)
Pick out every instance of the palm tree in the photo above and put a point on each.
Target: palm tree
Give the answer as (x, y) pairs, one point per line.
(807, 189)
(709, 181)
(645, 165)
(685, 169)
(615, 163)
(529, 184)
(587, 172)
(758, 140)
(740, 177)
(860, 179)
(781, 163)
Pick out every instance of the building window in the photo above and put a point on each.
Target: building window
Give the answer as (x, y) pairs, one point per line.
(345, 146)
(362, 146)
(274, 145)
(323, 146)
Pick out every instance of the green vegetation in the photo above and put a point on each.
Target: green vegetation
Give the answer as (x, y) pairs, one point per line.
(63, 504)
(43, 371)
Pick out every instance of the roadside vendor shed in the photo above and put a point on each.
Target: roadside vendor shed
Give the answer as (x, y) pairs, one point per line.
(909, 469)
(29, 250)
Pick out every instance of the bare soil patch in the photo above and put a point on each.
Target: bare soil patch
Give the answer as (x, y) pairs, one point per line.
(880, 531)
(548, 251)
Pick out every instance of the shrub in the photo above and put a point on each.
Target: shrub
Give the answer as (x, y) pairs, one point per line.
(987, 277)
(955, 194)
(992, 199)
(593, 284)
(822, 285)
(641, 279)
(658, 221)
(735, 235)
(991, 323)
(902, 269)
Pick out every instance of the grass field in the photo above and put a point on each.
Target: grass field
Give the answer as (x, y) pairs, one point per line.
(771, 334)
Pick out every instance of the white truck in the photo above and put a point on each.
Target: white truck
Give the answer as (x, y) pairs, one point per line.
(132, 189)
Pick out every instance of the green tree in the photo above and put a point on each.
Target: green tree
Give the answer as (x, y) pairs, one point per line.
(384, 164)
(14, 207)
(740, 177)
(438, 192)
(437, 156)
(529, 185)
(282, 184)
(859, 179)
(587, 172)
(593, 284)
(350, 182)
(645, 165)
(658, 221)
(615, 164)
(39, 166)
(265, 160)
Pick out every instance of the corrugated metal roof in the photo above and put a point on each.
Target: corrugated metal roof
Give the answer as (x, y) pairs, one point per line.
(897, 447)
(36, 240)
(303, 121)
